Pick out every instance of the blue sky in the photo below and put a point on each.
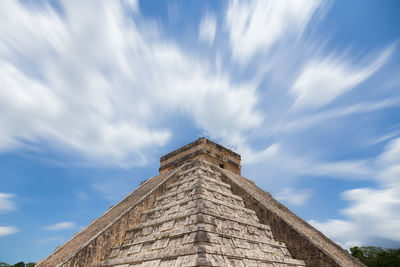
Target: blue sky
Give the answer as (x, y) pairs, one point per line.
(92, 94)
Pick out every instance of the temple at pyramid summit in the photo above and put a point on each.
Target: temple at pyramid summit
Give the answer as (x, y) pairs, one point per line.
(199, 211)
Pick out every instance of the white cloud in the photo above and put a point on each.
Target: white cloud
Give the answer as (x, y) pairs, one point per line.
(221, 108)
(322, 80)
(390, 157)
(69, 101)
(207, 28)
(293, 196)
(373, 212)
(7, 203)
(255, 26)
(343, 232)
(302, 165)
(376, 211)
(373, 215)
(253, 157)
(97, 84)
(303, 122)
(8, 230)
(60, 226)
(385, 137)
(133, 4)
(353, 169)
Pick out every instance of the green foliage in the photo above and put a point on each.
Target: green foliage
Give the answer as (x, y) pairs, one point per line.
(376, 256)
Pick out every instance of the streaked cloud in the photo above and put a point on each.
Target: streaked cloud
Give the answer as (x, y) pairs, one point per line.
(373, 213)
(343, 232)
(322, 80)
(300, 166)
(7, 202)
(307, 121)
(255, 26)
(60, 226)
(8, 230)
(253, 157)
(207, 28)
(133, 4)
(103, 83)
(350, 169)
(293, 196)
(68, 100)
(93, 89)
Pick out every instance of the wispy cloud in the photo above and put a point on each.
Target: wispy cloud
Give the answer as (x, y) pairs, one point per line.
(299, 166)
(385, 137)
(293, 196)
(253, 157)
(93, 89)
(7, 202)
(60, 226)
(173, 12)
(60, 104)
(322, 80)
(133, 4)
(343, 232)
(8, 230)
(207, 28)
(81, 195)
(350, 169)
(255, 26)
(112, 86)
(303, 122)
(373, 213)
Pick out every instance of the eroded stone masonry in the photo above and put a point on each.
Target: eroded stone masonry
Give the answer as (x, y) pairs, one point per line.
(199, 212)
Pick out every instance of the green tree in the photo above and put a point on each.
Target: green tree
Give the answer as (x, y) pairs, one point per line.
(358, 253)
(376, 256)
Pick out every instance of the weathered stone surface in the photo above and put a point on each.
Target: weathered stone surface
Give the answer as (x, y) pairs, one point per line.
(94, 242)
(199, 212)
(202, 149)
(199, 222)
(303, 240)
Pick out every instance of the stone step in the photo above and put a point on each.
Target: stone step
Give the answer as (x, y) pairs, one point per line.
(208, 216)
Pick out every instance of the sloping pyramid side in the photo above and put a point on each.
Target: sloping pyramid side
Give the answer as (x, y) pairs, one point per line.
(199, 222)
(303, 240)
(94, 242)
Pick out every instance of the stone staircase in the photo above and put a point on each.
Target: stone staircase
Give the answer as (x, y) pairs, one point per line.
(198, 221)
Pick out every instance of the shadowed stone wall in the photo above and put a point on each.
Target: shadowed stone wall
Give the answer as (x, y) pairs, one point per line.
(303, 241)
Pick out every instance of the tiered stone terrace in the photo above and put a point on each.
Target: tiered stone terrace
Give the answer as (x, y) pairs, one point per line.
(198, 221)
(199, 211)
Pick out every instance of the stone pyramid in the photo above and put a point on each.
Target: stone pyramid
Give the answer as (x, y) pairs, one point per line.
(198, 221)
(199, 212)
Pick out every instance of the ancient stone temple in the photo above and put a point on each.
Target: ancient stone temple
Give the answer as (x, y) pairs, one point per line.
(199, 211)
